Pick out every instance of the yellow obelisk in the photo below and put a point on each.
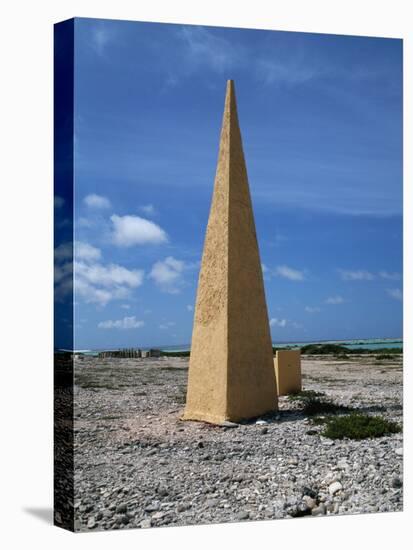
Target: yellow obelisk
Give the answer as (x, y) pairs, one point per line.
(231, 369)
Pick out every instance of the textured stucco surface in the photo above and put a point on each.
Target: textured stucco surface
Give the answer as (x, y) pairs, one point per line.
(288, 371)
(231, 373)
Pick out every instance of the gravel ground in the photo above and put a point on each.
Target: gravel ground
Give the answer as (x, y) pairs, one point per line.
(138, 465)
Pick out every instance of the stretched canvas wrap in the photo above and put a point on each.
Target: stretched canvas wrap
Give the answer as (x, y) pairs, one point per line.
(228, 275)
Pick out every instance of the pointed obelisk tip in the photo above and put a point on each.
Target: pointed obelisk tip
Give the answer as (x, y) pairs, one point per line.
(230, 96)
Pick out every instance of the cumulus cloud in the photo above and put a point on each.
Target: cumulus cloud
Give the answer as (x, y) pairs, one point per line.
(63, 280)
(63, 271)
(274, 322)
(63, 252)
(167, 274)
(395, 293)
(148, 209)
(58, 201)
(310, 309)
(94, 281)
(334, 300)
(108, 275)
(123, 324)
(85, 251)
(133, 230)
(358, 275)
(96, 201)
(80, 249)
(289, 273)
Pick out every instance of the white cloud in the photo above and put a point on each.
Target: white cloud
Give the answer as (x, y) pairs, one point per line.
(110, 275)
(358, 275)
(277, 72)
(363, 275)
(395, 293)
(123, 324)
(165, 326)
(61, 271)
(63, 252)
(389, 276)
(80, 249)
(289, 273)
(58, 201)
(101, 36)
(148, 209)
(310, 309)
(63, 281)
(278, 322)
(189, 307)
(92, 294)
(264, 269)
(85, 251)
(167, 274)
(133, 230)
(125, 306)
(96, 201)
(334, 300)
(95, 282)
(205, 48)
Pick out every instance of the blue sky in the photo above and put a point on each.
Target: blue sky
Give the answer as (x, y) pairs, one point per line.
(321, 120)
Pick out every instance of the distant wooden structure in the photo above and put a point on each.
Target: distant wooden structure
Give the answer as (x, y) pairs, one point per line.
(129, 353)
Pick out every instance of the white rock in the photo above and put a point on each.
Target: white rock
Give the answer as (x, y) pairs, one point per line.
(228, 424)
(334, 488)
(261, 422)
(399, 451)
(311, 503)
(145, 523)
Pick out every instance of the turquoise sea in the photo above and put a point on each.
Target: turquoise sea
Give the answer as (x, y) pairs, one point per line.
(372, 343)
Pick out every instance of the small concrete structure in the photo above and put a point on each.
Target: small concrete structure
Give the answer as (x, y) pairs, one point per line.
(150, 353)
(287, 365)
(231, 370)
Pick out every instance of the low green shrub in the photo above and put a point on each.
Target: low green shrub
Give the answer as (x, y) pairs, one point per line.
(359, 426)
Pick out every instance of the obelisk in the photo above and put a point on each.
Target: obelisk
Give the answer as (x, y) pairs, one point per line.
(231, 370)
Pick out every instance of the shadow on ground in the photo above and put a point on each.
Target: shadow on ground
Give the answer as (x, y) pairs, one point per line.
(44, 514)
